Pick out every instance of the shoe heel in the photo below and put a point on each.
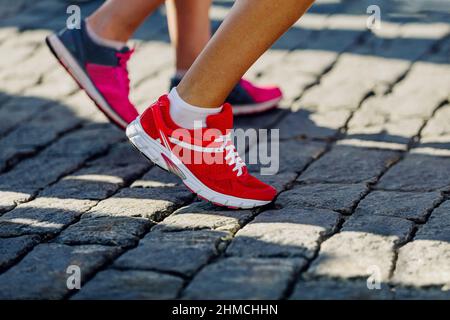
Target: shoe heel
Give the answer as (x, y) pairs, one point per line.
(145, 145)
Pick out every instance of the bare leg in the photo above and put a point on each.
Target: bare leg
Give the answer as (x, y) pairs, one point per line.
(118, 19)
(190, 29)
(249, 30)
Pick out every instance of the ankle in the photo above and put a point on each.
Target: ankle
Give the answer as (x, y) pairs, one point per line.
(100, 39)
(186, 115)
(106, 30)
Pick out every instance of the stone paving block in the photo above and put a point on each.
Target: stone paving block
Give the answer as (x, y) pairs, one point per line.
(203, 215)
(423, 262)
(45, 216)
(110, 231)
(31, 175)
(130, 285)
(85, 142)
(34, 67)
(7, 32)
(30, 136)
(307, 124)
(428, 81)
(42, 273)
(21, 52)
(346, 86)
(293, 38)
(18, 110)
(257, 279)
(13, 248)
(152, 203)
(364, 246)
(150, 89)
(157, 178)
(310, 61)
(181, 252)
(338, 197)
(421, 294)
(9, 199)
(289, 156)
(417, 172)
(407, 205)
(397, 229)
(82, 107)
(266, 120)
(288, 69)
(95, 182)
(438, 225)
(371, 127)
(59, 159)
(121, 155)
(141, 67)
(284, 233)
(329, 289)
(279, 181)
(349, 165)
(439, 124)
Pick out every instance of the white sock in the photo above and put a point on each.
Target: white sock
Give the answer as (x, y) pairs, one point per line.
(117, 45)
(186, 115)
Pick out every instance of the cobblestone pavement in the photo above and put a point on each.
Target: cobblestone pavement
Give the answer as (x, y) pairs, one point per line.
(364, 181)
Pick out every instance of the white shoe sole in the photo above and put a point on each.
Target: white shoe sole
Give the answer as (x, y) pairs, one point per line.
(240, 110)
(80, 76)
(154, 151)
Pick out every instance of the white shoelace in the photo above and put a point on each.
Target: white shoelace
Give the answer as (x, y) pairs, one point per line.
(231, 154)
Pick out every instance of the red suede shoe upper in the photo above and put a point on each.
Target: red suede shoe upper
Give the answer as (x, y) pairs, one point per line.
(227, 175)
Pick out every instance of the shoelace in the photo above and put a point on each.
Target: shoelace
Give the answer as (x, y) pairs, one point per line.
(232, 157)
(123, 60)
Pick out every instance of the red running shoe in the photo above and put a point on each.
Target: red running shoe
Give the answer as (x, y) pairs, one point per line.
(204, 158)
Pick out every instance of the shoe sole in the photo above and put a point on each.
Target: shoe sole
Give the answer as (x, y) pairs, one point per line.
(165, 159)
(71, 65)
(248, 109)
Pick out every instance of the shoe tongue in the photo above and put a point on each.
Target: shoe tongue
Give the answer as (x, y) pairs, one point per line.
(222, 120)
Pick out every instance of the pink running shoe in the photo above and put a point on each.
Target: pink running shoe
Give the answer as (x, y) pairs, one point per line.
(247, 98)
(98, 70)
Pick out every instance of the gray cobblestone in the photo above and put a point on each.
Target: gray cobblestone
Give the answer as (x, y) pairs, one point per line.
(46, 216)
(339, 197)
(408, 205)
(417, 173)
(328, 289)
(13, 248)
(68, 177)
(303, 123)
(294, 156)
(110, 231)
(350, 165)
(45, 267)
(437, 226)
(130, 285)
(181, 252)
(152, 203)
(258, 279)
(423, 263)
(374, 238)
(284, 233)
(202, 215)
